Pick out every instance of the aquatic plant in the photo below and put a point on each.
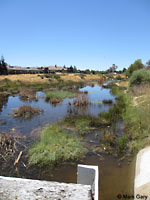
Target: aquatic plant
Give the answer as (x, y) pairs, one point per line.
(122, 143)
(27, 94)
(108, 139)
(109, 101)
(83, 124)
(81, 100)
(26, 112)
(56, 145)
(58, 96)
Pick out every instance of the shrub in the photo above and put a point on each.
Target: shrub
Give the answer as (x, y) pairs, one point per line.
(140, 76)
(135, 66)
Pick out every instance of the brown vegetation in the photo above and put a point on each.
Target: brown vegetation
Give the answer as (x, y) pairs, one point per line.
(35, 78)
(27, 94)
(7, 145)
(54, 101)
(81, 100)
(26, 112)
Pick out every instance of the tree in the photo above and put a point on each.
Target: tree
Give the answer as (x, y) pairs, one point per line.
(124, 69)
(135, 66)
(3, 66)
(112, 69)
(75, 69)
(70, 69)
(93, 71)
(87, 71)
(148, 65)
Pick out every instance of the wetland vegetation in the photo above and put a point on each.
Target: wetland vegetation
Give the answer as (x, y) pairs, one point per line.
(26, 112)
(56, 146)
(88, 119)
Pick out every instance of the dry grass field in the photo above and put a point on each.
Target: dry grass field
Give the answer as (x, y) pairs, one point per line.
(34, 78)
(30, 78)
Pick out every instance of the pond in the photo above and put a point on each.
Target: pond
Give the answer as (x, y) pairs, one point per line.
(114, 178)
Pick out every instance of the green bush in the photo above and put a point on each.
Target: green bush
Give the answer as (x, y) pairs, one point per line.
(139, 77)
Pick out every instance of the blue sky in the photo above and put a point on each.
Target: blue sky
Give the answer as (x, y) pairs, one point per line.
(87, 33)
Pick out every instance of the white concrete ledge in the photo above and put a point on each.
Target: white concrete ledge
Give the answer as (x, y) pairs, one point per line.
(25, 189)
(89, 175)
(142, 175)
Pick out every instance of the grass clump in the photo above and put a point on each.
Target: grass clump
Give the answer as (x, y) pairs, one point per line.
(56, 146)
(58, 96)
(26, 112)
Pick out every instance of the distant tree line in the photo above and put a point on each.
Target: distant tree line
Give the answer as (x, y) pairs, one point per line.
(73, 69)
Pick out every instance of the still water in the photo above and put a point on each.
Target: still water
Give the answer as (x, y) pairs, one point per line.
(114, 178)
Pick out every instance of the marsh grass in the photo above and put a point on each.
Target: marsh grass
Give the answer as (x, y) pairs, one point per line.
(108, 139)
(122, 144)
(26, 112)
(56, 146)
(114, 144)
(133, 106)
(55, 97)
(79, 122)
(84, 124)
(137, 123)
(116, 111)
(81, 100)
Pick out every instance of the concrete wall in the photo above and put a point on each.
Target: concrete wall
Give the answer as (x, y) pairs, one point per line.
(142, 175)
(25, 189)
(89, 175)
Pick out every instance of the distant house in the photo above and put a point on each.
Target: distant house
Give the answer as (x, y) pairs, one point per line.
(22, 70)
(34, 70)
(57, 69)
(53, 69)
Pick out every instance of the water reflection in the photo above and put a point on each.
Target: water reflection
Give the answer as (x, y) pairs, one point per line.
(3, 100)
